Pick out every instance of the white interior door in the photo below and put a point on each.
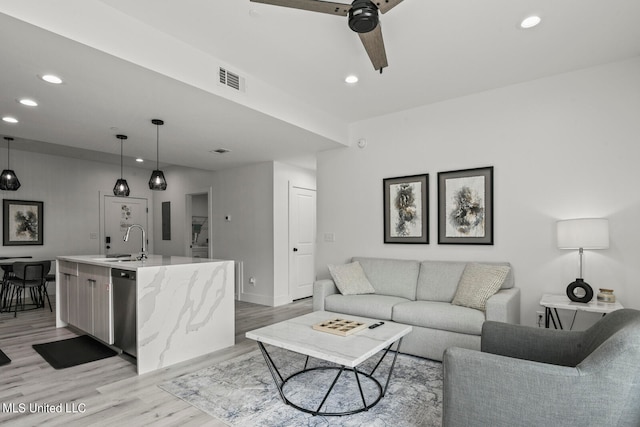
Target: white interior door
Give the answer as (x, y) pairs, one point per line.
(120, 213)
(302, 241)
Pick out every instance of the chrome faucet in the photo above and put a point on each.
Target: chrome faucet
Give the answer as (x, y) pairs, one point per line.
(143, 254)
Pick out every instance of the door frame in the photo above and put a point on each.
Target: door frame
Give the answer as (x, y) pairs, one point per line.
(187, 219)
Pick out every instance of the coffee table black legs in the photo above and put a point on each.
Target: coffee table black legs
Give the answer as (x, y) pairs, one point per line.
(358, 375)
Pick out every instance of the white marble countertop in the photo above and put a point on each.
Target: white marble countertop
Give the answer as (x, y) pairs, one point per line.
(131, 263)
(298, 335)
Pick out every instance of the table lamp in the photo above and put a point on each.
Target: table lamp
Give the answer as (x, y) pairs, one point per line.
(582, 233)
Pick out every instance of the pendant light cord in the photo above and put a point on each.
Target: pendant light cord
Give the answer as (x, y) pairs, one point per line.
(121, 153)
(158, 147)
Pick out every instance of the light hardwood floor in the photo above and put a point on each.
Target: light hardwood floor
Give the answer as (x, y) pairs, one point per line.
(106, 392)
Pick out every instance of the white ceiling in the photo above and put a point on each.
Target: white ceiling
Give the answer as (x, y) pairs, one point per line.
(125, 62)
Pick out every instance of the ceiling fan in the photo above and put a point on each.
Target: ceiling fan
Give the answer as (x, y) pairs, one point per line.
(363, 19)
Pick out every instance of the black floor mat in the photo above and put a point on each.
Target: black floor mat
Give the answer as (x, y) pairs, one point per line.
(73, 351)
(4, 360)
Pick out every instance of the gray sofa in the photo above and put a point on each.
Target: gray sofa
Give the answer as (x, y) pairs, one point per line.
(419, 293)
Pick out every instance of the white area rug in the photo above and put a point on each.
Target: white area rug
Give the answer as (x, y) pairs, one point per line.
(241, 392)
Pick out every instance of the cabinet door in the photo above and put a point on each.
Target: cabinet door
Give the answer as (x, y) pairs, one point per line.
(69, 274)
(102, 318)
(85, 301)
(62, 300)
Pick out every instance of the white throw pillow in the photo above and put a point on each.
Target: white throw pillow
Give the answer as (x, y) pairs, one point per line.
(478, 283)
(350, 279)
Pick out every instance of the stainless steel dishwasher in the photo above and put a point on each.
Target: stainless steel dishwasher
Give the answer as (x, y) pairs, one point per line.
(124, 310)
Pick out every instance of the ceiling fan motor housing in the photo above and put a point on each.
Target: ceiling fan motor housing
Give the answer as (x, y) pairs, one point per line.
(363, 16)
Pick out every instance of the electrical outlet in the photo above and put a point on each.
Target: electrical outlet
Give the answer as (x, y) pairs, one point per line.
(540, 319)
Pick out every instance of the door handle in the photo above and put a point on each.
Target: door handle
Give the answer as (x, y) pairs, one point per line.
(295, 249)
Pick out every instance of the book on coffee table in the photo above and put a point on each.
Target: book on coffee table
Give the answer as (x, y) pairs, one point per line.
(339, 326)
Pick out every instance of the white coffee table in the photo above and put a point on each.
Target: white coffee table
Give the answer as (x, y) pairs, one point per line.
(348, 352)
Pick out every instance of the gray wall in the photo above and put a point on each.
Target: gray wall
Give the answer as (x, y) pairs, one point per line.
(562, 147)
(70, 191)
(255, 196)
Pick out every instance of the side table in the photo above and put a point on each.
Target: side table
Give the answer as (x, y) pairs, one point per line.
(553, 302)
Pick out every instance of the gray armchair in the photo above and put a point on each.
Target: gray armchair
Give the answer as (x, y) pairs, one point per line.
(525, 376)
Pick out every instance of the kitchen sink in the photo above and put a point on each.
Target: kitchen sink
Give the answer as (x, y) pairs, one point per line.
(115, 259)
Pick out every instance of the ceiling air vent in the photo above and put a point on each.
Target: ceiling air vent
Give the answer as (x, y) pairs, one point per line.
(233, 80)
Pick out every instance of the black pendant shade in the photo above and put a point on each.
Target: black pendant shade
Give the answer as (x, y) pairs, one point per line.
(8, 179)
(121, 188)
(157, 180)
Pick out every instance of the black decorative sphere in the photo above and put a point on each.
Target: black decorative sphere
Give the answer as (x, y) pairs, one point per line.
(579, 291)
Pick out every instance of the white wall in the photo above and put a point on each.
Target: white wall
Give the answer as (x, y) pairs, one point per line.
(246, 195)
(180, 182)
(70, 190)
(562, 147)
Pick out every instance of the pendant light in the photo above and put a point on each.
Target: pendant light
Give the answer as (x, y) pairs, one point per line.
(157, 181)
(9, 180)
(121, 188)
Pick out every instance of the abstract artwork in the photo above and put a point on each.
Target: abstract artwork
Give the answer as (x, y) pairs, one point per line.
(22, 223)
(406, 209)
(465, 206)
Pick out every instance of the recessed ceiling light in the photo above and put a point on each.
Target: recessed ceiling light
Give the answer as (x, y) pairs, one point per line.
(351, 79)
(530, 21)
(50, 78)
(139, 160)
(220, 151)
(28, 102)
(10, 119)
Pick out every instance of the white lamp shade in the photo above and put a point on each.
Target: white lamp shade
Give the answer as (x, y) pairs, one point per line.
(586, 233)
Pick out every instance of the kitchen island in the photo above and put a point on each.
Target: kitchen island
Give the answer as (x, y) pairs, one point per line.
(184, 306)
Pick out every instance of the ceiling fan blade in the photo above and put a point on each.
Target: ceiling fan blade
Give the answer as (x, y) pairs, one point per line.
(331, 8)
(386, 5)
(374, 45)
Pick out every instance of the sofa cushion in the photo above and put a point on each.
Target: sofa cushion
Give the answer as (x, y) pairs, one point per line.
(392, 277)
(368, 305)
(478, 283)
(438, 280)
(350, 279)
(439, 315)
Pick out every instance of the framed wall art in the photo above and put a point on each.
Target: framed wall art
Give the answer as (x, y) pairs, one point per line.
(22, 222)
(406, 209)
(465, 207)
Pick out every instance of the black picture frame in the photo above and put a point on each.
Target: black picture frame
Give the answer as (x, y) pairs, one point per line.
(406, 209)
(465, 207)
(22, 222)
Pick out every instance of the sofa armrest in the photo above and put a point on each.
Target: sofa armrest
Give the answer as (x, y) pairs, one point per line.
(483, 389)
(321, 289)
(504, 306)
